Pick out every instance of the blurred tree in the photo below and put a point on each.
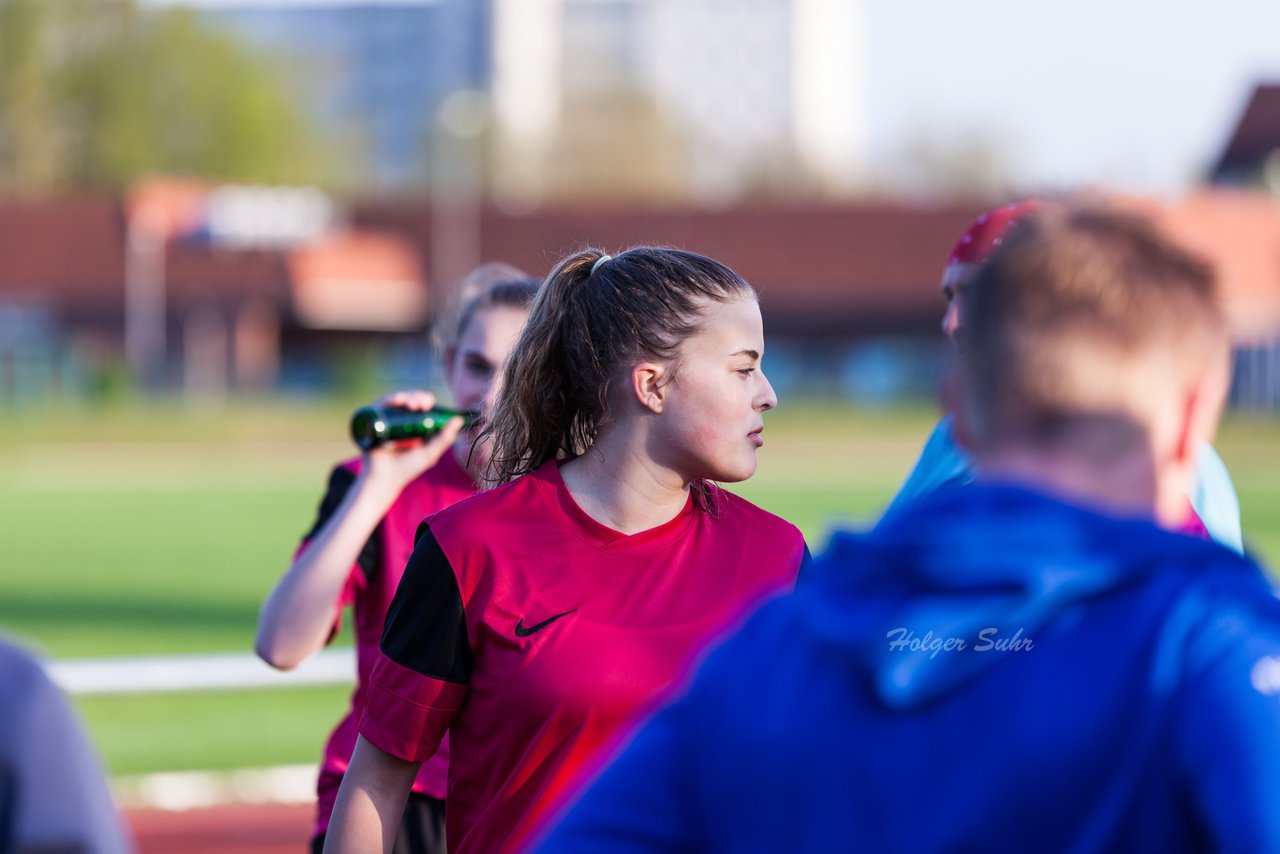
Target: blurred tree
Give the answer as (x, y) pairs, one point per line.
(97, 93)
(29, 144)
(973, 163)
(777, 173)
(618, 144)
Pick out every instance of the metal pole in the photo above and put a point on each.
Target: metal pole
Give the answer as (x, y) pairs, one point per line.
(456, 188)
(144, 318)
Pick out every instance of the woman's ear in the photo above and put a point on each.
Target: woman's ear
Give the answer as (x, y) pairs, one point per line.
(649, 382)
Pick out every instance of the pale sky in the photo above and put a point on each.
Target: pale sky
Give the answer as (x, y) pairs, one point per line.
(249, 4)
(1132, 94)
(1135, 94)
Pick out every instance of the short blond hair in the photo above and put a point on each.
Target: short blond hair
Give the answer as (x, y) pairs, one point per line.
(1083, 312)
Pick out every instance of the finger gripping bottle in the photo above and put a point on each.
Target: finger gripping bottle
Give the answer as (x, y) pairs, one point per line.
(372, 426)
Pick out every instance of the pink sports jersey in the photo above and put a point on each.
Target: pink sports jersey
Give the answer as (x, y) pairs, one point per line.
(370, 588)
(533, 634)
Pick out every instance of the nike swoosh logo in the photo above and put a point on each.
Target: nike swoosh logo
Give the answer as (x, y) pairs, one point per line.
(523, 631)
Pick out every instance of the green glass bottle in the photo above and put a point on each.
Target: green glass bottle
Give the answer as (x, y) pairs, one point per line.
(372, 426)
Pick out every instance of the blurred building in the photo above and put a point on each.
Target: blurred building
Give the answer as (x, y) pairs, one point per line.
(725, 98)
(204, 290)
(1232, 226)
(1251, 156)
(172, 282)
(224, 290)
(751, 86)
(850, 292)
(374, 75)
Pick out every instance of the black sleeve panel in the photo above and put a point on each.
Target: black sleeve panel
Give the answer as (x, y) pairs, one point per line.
(806, 564)
(426, 629)
(370, 557)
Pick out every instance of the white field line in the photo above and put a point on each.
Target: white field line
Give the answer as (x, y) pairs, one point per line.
(188, 790)
(192, 790)
(208, 672)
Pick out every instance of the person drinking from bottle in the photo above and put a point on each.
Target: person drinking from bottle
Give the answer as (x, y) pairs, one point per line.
(356, 551)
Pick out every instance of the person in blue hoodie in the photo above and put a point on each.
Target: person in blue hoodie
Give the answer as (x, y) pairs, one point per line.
(1213, 509)
(1028, 663)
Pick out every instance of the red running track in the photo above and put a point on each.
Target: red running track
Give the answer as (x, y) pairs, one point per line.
(240, 828)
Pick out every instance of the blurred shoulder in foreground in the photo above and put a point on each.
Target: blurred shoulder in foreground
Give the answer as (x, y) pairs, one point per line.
(53, 795)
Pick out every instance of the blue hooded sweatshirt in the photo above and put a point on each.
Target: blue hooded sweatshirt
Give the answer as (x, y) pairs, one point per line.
(992, 670)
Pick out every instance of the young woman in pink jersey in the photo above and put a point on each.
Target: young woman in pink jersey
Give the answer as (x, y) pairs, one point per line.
(358, 547)
(537, 620)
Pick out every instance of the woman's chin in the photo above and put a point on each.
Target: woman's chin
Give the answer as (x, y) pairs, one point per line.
(733, 474)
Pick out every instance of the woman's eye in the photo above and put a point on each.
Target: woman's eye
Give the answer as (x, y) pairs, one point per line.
(746, 372)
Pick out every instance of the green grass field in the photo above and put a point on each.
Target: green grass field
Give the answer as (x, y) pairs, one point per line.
(160, 530)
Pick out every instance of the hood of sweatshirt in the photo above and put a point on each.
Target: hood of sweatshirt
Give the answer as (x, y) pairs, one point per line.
(934, 597)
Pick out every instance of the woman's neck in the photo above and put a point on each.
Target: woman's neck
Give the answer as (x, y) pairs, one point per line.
(620, 486)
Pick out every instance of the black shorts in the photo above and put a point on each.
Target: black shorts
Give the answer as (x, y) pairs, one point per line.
(421, 828)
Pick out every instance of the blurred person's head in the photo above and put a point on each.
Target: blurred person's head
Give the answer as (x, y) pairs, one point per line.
(1093, 346)
(971, 250)
(660, 344)
(488, 323)
(450, 321)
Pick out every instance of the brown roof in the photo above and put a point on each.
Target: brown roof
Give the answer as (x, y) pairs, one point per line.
(69, 255)
(835, 271)
(197, 272)
(1238, 232)
(869, 268)
(358, 280)
(824, 270)
(65, 252)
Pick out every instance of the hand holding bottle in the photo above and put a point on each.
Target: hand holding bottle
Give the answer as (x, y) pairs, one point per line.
(397, 448)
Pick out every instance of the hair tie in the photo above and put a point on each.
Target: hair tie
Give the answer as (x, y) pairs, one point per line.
(598, 262)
